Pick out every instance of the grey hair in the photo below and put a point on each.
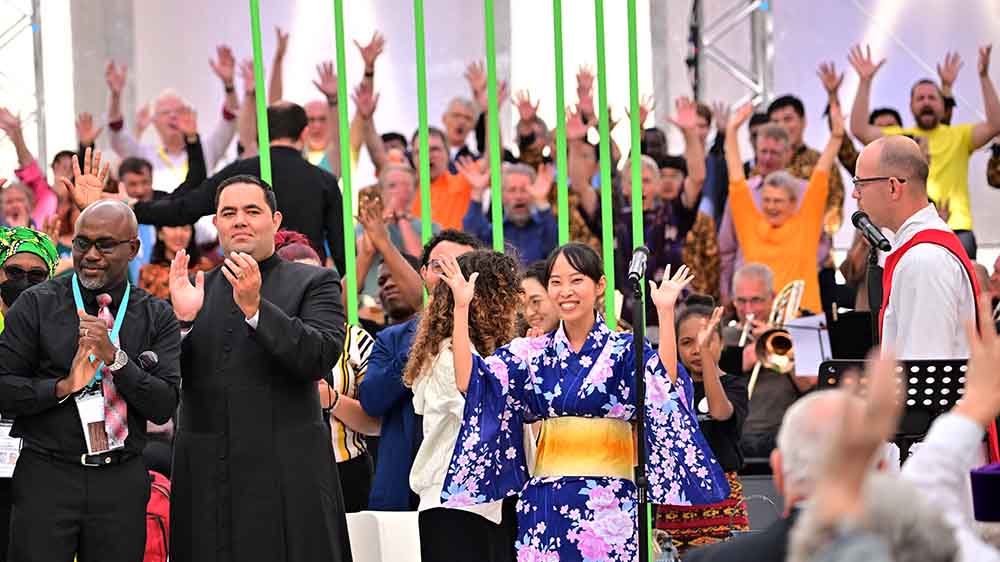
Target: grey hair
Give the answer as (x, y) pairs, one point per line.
(903, 156)
(469, 104)
(804, 438)
(775, 132)
(758, 271)
(896, 512)
(396, 168)
(646, 162)
(169, 93)
(24, 189)
(519, 169)
(786, 181)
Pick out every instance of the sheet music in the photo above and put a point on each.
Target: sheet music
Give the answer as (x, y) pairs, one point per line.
(811, 342)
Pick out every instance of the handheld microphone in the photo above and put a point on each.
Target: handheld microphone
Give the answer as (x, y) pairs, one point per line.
(637, 267)
(870, 231)
(147, 360)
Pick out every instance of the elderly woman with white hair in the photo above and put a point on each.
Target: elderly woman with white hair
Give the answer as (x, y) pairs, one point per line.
(785, 233)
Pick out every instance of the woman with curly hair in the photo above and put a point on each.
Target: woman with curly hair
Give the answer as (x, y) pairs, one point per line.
(578, 503)
(482, 532)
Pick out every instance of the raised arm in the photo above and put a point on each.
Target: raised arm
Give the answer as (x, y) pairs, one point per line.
(694, 152)
(665, 298)
(837, 133)
(365, 104)
(247, 118)
(462, 290)
(276, 86)
(578, 163)
(122, 142)
(866, 68)
(734, 162)
(28, 170)
(326, 83)
(406, 278)
(948, 73)
(983, 132)
(710, 346)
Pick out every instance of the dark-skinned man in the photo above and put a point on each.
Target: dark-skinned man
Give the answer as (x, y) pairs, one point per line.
(83, 491)
(254, 476)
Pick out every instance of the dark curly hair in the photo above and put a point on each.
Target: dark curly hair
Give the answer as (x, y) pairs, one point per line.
(491, 322)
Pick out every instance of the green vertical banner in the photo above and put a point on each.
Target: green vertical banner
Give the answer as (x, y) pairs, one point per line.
(607, 215)
(562, 167)
(263, 142)
(424, 161)
(493, 129)
(351, 275)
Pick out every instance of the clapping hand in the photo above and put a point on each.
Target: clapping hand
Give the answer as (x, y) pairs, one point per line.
(462, 289)
(243, 273)
(88, 184)
(665, 296)
(186, 298)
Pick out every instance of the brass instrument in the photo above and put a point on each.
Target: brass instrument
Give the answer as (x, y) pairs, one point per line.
(774, 347)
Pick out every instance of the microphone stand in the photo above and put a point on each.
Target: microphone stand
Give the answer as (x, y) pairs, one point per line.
(874, 292)
(641, 484)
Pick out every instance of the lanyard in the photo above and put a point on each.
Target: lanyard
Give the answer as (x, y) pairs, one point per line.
(119, 317)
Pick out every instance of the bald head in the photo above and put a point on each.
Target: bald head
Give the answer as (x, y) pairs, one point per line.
(114, 216)
(891, 184)
(901, 156)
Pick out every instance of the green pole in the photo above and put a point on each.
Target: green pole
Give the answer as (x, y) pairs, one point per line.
(424, 164)
(607, 218)
(493, 130)
(345, 167)
(261, 94)
(562, 190)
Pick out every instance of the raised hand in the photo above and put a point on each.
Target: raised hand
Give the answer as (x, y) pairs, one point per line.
(372, 220)
(115, 77)
(862, 61)
(646, 106)
(186, 298)
(243, 274)
(247, 74)
(665, 296)
(584, 79)
(9, 123)
(143, 118)
(365, 100)
(540, 188)
(327, 81)
(870, 422)
(706, 341)
(86, 132)
(984, 60)
(51, 225)
(740, 117)
(829, 78)
(483, 97)
(473, 173)
(585, 106)
(576, 129)
(187, 122)
(225, 65)
(88, 184)
(282, 40)
(475, 75)
(948, 71)
(525, 109)
(371, 51)
(462, 289)
(981, 401)
(720, 111)
(686, 118)
(837, 129)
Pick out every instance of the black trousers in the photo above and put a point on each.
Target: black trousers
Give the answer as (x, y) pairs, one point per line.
(453, 535)
(355, 482)
(4, 517)
(61, 510)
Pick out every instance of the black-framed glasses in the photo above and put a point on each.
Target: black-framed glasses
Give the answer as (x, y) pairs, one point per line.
(17, 273)
(104, 245)
(861, 182)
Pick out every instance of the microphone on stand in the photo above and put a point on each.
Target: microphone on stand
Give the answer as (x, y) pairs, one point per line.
(637, 267)
(870, 231)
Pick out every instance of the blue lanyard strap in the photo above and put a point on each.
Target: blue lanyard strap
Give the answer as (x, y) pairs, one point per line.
(119, 317)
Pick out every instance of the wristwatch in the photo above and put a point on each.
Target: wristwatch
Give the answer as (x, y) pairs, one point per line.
(121, 359)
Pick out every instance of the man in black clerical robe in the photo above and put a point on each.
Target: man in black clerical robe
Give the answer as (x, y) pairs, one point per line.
(254, 476)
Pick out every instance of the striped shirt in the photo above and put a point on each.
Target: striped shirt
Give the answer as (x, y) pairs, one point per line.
(347, 375)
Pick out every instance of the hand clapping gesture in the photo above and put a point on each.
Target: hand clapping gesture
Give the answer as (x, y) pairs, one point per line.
(243, 273)
(186, 298)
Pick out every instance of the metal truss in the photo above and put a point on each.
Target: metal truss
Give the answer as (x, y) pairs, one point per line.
(21, 80)
(705, 33)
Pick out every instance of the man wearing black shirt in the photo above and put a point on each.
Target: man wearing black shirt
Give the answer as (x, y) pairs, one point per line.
(67, 501)
(309, 197)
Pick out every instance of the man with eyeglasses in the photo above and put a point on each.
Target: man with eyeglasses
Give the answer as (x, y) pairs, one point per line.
(76, 375)
(929, 284)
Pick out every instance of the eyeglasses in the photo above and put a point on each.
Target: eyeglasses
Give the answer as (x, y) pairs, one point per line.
(35, 276)
(860, 182)
(104, 245)
(755, 301)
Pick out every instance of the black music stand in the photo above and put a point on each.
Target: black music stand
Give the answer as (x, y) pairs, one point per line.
(932, 388)
(852, 334)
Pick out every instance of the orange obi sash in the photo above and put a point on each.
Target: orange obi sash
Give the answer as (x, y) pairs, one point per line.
(577, 446)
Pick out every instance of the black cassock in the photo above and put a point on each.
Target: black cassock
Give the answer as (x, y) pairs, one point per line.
(254, 475)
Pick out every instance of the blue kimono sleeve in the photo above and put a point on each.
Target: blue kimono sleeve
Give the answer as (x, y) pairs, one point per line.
(681, 468)
(488, 462)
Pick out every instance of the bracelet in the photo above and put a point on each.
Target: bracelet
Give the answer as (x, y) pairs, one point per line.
(336, 400)
(230, 89)
(331, 101)
(369, 74)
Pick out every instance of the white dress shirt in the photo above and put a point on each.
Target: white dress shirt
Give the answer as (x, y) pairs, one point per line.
(931, 299)
(940, 468)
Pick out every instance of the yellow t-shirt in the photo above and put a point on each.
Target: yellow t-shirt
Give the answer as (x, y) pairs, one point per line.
(950, 148)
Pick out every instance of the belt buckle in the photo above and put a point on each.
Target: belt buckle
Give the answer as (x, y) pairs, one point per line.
(83, 460)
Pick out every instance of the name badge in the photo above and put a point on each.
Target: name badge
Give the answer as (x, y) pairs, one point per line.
(10, 449)
(90, 405)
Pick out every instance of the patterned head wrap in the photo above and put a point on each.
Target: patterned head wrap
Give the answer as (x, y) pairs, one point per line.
(20, 239)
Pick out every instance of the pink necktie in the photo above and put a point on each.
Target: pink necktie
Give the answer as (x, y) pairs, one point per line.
(115, 409)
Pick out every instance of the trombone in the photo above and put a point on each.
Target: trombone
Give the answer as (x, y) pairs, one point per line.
(774, 347)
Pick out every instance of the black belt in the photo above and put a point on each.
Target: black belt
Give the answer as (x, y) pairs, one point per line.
(101, 459)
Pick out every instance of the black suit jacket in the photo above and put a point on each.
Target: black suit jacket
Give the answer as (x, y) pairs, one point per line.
(308, 198)
(769, 545)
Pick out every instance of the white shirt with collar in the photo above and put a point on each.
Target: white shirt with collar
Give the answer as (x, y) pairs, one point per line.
(931, 298)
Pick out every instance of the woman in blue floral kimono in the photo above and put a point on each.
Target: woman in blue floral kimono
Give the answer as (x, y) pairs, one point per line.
(579, 502)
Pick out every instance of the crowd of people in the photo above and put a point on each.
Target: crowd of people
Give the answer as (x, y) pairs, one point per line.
(195, 314)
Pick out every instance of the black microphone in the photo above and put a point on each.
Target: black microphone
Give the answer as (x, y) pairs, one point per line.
(870, 231)
(637, 267)
(147, 360)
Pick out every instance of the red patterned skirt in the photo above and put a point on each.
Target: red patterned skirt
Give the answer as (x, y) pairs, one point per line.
(692, 526)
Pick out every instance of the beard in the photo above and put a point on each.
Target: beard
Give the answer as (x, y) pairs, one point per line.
(95, 282)
(927, 119)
